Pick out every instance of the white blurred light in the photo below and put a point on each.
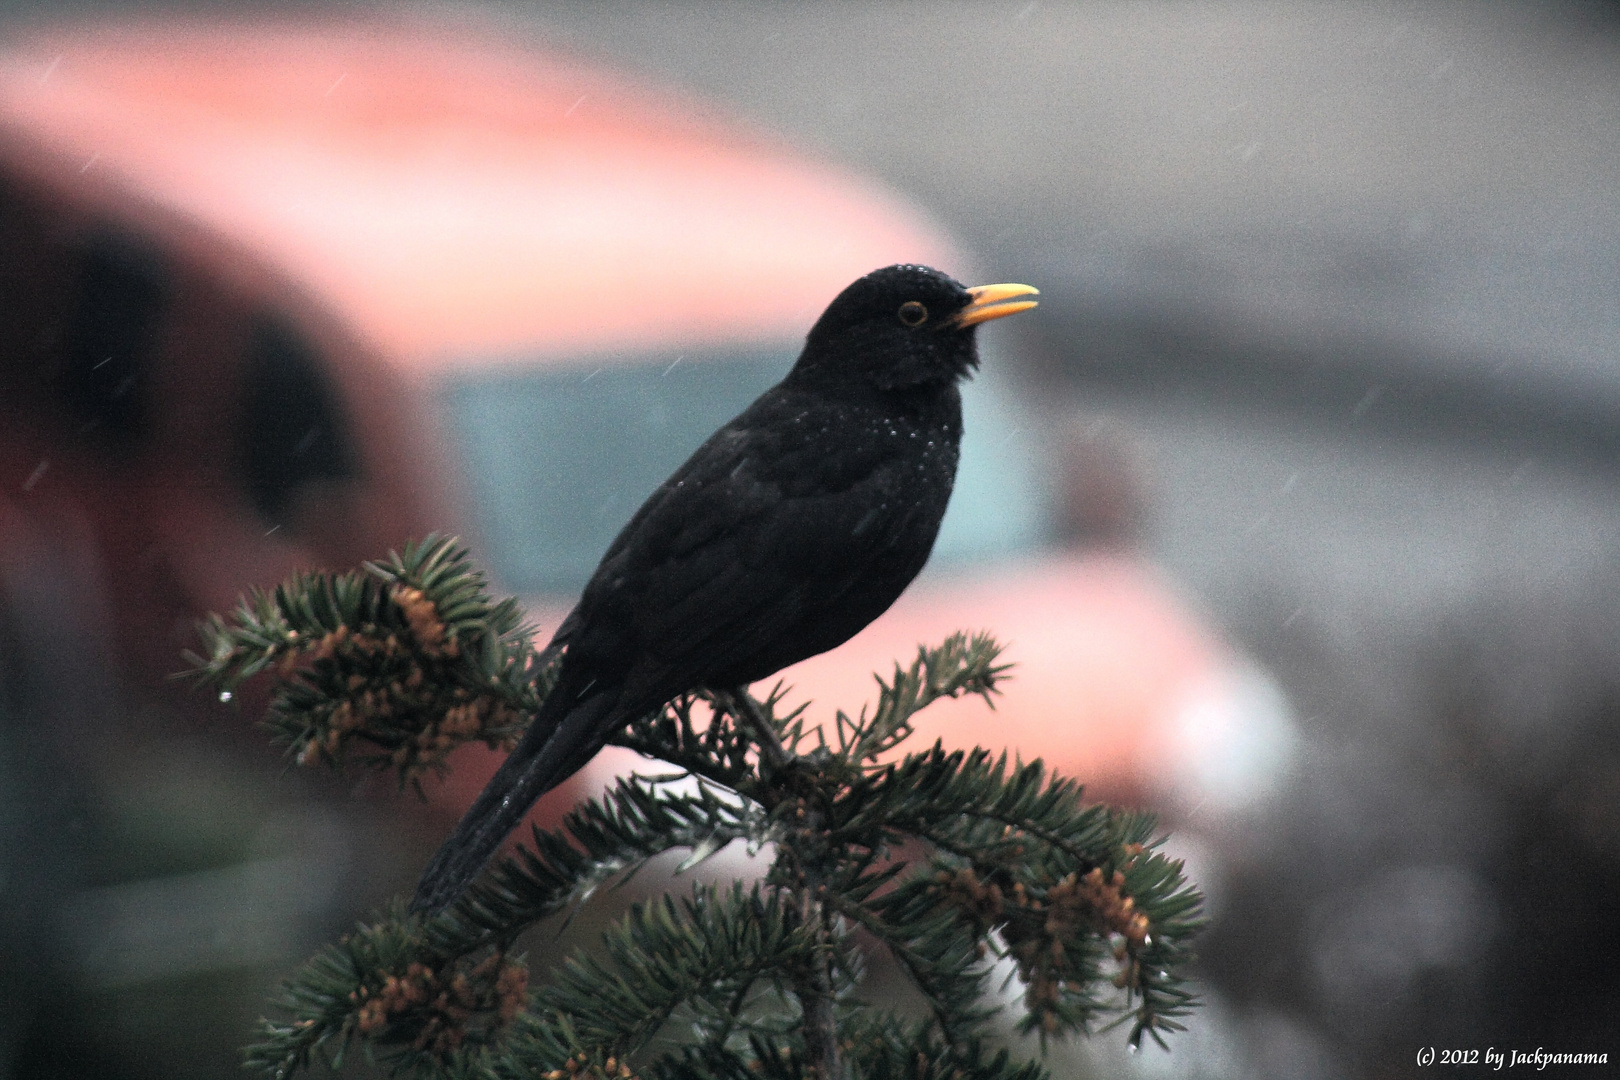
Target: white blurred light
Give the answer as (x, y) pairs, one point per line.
(1232, 744)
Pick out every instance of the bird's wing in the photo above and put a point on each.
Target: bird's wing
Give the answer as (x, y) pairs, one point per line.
(753, 541)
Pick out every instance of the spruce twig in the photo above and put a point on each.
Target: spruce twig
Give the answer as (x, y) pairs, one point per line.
(949, 859)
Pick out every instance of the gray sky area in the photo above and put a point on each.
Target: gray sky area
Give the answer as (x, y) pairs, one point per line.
(1441, 177)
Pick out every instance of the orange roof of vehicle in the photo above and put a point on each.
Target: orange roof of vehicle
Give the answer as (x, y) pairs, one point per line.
(449, 194)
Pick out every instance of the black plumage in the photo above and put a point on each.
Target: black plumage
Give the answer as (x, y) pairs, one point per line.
(783, 535)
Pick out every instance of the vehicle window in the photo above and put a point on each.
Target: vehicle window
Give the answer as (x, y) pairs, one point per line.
(294, 431)
(556, 460)
(123, 291)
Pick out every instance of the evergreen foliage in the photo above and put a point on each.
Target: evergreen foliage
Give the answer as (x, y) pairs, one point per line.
(970, 869)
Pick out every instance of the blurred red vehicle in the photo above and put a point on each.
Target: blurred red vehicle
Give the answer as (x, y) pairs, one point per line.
(284, 295)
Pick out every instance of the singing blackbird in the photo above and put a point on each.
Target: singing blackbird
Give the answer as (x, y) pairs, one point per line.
(789, 530)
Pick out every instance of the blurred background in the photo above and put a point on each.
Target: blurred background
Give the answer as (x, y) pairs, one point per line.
(1326, 374)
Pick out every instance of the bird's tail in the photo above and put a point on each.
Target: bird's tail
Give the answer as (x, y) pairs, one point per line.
(549, 753)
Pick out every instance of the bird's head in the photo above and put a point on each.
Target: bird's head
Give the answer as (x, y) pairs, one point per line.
(905, 326)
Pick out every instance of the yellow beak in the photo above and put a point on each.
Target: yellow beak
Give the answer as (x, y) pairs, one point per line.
(992, 302)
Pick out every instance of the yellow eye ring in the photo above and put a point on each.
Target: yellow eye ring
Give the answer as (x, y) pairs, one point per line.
(913, 313)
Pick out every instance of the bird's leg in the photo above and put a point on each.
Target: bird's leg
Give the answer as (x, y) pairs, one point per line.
(746, 709)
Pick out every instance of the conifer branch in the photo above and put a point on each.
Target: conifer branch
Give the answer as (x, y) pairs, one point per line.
(394, 666)
(702, 955)
(959, 666)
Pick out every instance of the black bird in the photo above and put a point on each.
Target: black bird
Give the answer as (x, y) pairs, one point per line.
(789, 530)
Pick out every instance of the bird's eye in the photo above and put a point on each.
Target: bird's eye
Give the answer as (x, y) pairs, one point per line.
(913, 313)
